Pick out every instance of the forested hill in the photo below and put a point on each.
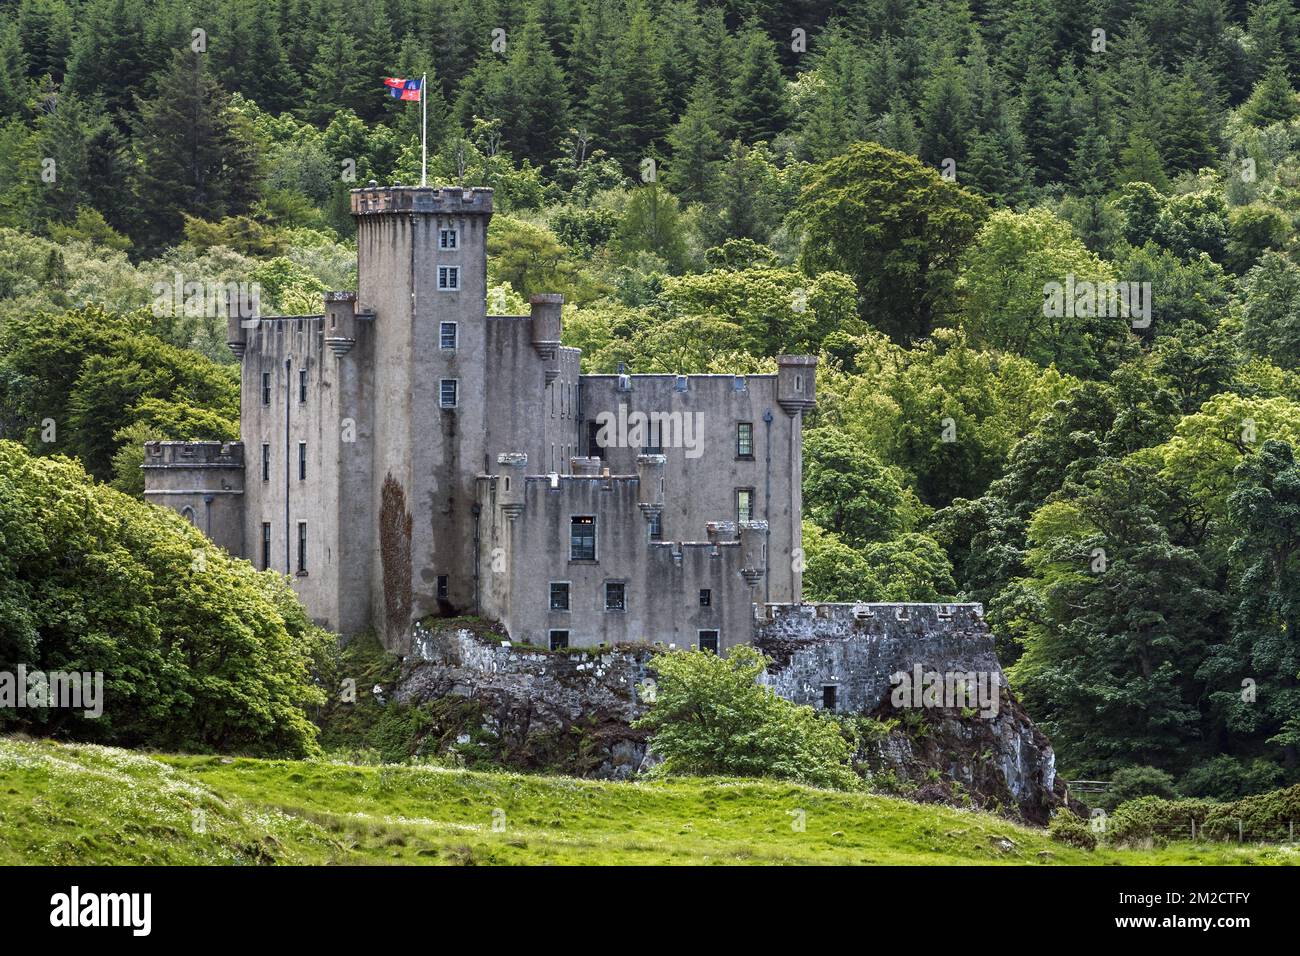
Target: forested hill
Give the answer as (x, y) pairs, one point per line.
(1046, 250)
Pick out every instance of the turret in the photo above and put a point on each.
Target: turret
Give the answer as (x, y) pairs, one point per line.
(796, 386)
(340, 321)
(546, 331)
(512, 467)
(650, 494)
(753, 551)
(236, 333)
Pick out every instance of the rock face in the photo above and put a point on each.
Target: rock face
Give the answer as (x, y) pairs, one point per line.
(930, 672)
(566, 712)
(571, 712)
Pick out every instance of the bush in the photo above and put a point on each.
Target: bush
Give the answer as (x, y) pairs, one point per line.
(1228, 778)
(1130, 783)
(198, 651)
(1156, 820)
(1069, 829)
(710, 716)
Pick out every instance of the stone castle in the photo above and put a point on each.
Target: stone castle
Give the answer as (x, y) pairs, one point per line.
(405, 455)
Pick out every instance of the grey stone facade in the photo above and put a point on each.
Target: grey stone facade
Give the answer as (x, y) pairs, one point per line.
(406, 455)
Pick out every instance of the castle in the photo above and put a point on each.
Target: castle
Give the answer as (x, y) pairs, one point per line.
(405, 455)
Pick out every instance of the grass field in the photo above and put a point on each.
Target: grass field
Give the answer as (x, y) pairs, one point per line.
(80, 804)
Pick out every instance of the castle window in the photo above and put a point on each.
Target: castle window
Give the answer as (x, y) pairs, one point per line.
(442, 587)
(302, 547)
(706, 597)
(798, 383)
(448, 278)
(828, 697)
(709, 641)
(656, 527)
(266, 461)
(655, 434)
(582, 538)
(615, 596)
(594, 447)
(744, 504)
(188, 514)
(302, 386)
(559, 595)
(447, 335)
(266, 545)
(447, 393)
(744, 439)
(559, 639)
(447, 238)
(302, 461)
(266, 388)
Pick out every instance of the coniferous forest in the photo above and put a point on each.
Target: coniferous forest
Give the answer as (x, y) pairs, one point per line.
(1047, 251)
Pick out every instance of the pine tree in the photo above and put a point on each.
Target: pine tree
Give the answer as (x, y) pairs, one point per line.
(945, 115)
(1186, 138)
(696, 146)
(536, 112)
(13, 74)
(109, 55)
(192, 153)
(1273, 100)
(45, 27)
(643, 119)
(760, 108)
(1140, 162)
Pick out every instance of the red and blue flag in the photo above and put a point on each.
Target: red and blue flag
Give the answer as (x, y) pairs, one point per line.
(402, 89)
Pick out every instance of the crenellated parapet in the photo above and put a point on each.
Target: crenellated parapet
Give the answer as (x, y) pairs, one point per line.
(436, 200)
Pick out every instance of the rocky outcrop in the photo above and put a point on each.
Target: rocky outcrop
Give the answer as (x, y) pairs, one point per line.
(930, 673)
(964, 741)
(567, 712)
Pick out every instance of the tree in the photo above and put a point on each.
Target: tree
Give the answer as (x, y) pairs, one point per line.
(709, 715)
(1109, 666)
(1264, 509)
(1270, 321)
(696, 148)
(759, 109)
(850, 493)
(652, 223)
(1005, 277)
(192, 153)
(197, 650)
(893, 225)
(1273, 100)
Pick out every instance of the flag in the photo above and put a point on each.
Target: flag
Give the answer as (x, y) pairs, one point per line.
(403, 89)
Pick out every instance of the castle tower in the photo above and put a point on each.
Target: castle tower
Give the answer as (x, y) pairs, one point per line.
(422, 271)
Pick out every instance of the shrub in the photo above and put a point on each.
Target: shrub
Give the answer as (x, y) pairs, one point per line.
(1228, 778)
(710, 716)
(1157, 820)
(1133, 782)
(1069, 829)
(198, 651)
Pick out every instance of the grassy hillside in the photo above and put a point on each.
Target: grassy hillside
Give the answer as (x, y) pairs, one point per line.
(65, 804)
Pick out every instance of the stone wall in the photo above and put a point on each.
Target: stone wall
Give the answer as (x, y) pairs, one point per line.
(995, 756)
(567, 712)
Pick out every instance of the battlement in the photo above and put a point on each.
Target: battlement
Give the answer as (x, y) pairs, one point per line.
(436, 200)
(193, 454)
(785, 616)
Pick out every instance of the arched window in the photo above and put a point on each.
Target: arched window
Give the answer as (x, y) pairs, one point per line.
(188, 514)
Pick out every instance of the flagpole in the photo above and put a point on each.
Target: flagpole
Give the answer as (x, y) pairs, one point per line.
(424, 131)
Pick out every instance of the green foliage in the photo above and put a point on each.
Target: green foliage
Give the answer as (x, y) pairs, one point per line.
(1068, 829)
(710, 716)
(197, 650)
(895, 227)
